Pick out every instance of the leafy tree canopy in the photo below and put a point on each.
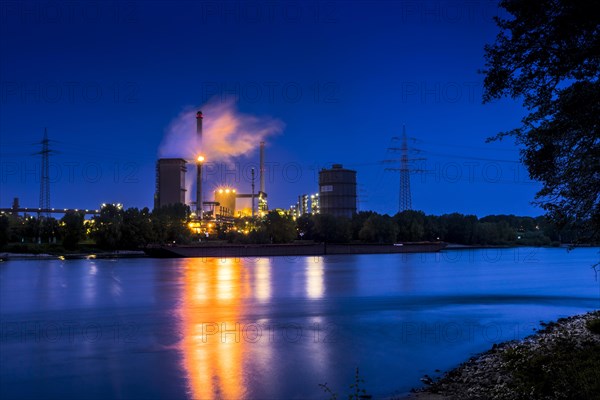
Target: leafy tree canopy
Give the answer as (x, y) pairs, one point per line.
(73, 229)
(280, 228)
(548, 54)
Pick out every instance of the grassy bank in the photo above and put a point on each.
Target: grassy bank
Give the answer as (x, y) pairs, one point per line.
(562, 361)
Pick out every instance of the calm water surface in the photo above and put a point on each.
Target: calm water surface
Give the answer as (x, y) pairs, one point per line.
(271, 328)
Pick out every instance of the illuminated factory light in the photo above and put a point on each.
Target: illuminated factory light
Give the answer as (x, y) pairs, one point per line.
(200, 159)
(225, 190)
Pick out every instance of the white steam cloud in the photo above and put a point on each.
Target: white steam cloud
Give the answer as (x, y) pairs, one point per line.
(226, 133)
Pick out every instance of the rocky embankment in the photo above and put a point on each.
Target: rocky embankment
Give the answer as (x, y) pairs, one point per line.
(562, 361)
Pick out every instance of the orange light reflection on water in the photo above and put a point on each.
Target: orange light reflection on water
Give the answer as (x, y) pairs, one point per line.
(213, 349)
(262, 279)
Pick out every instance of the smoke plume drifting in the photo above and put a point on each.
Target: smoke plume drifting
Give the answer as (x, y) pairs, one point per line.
(227, 133)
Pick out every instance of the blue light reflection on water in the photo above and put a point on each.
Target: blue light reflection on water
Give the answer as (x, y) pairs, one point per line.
(272, 327)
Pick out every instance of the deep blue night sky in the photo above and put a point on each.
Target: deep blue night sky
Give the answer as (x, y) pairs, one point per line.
(107, 79)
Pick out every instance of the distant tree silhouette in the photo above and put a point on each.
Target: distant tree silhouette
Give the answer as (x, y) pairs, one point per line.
(331, 229)
(73, 230)
(169, 224)
(4, 230)
(379, 229)
(280, 228)
(136, 230)
(107, 227)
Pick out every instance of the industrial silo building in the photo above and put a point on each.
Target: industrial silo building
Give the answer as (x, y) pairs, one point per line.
(170, 182)
(337, 191)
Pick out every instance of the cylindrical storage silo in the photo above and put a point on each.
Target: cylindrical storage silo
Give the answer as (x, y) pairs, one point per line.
(337, 191)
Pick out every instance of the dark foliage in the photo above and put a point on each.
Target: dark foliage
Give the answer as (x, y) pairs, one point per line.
(331, 229)
(279, 228)
(4, 230)
(547, 54)
(73, 229)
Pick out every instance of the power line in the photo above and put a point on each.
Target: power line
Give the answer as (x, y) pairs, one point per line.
(471, 157)
(484, 148)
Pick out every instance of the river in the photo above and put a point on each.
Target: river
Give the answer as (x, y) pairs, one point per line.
(272, 328)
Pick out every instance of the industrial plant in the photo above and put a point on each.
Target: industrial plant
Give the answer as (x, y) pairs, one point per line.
(336, 194)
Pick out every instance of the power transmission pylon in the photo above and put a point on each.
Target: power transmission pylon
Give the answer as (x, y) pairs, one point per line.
(404, 195)
(45, 175)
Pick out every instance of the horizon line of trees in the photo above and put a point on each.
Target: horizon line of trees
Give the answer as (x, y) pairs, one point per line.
(116, 228)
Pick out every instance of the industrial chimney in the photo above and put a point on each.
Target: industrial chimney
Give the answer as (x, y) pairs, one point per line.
(262, 167)
(199, 127)
(199, 162)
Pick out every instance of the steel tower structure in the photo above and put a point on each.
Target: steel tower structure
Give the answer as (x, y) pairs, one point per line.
(45, 174)
(404, 195)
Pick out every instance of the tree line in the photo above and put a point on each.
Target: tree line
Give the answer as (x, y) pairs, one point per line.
(116, 228)
(416, 226)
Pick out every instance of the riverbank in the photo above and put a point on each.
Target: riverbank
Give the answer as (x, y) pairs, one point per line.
(562, 361)
(226, 250)
(286, 250)
(71, 256)
(456, 246)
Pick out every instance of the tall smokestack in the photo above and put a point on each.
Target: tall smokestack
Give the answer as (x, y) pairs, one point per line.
(262, 167)
(199, 162)
(199, 128)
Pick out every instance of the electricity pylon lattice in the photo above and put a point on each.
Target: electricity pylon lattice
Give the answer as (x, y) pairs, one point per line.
(404, 194)
(45, 175)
